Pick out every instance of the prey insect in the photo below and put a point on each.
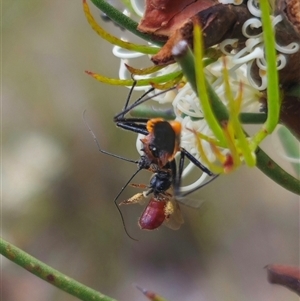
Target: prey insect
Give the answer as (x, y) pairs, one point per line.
(160, 210)
(155, 212)
(163, 206)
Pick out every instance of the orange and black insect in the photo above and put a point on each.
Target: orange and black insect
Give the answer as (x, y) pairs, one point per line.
(160, 145)
(161, 140)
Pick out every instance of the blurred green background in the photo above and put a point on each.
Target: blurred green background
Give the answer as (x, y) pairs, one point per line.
(58, 190)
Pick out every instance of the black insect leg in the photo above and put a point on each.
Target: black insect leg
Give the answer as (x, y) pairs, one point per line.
(134, 125)
(196, 162)
(138, 101)
(126, 109)
(176, 176)
(141, 100)
(182, 195)
(128, 97)
(117, 197)
(177, 184)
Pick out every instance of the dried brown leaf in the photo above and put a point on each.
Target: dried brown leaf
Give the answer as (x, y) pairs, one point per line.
(288, 276)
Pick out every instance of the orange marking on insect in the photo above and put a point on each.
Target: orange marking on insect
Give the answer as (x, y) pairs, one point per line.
(151, 124)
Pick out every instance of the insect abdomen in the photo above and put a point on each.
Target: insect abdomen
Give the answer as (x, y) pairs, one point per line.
(153, 215)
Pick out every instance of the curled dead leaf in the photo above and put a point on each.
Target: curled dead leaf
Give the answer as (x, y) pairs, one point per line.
(288, 276)
(218, 21)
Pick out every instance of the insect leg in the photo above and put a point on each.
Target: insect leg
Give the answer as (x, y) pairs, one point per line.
(141, 100)
(196, 162)
(136, 103)
(131, 125)
(115, 201)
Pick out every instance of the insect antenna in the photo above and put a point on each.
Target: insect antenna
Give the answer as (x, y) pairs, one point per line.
(119, 157)
(98, 145)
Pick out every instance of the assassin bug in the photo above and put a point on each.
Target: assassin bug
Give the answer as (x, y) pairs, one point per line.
(161, 143)
(162, 138)
(163, 207)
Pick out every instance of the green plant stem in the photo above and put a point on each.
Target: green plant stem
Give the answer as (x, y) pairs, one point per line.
(276, 173)
(49, 274)
(141, 82)
(185, 59)
(123, 20)
(152, 111)
(252, 118)
(202, 84)
(272, 75)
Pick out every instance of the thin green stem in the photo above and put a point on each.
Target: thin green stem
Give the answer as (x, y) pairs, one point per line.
(272, 75)
(113, 39)
(252, 118)
(177, 75)
(202, 85)
(234, 109)
(123, 20)
(276, 173)
(49, 274)
(185, 58)
(150, 111)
